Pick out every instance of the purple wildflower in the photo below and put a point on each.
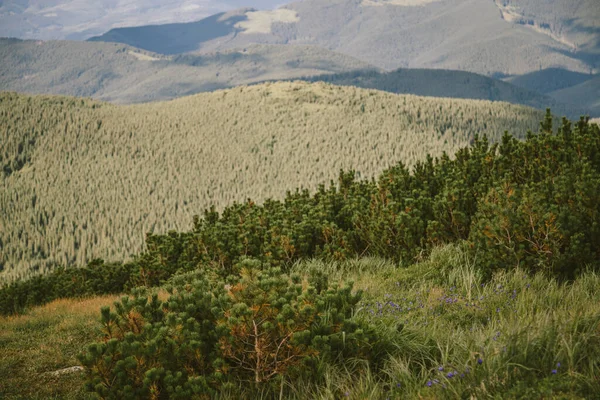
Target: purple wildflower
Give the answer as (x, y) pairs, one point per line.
(479, 361)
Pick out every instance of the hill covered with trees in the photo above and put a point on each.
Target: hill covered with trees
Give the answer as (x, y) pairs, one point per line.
(80, 176)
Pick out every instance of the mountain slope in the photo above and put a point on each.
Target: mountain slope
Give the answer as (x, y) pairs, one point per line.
(455, 84)
(574, 22)
(468, 35)
(586, 94)
(78, 20)
(549, 80)
(124, 74)
(176, 38)
(88, 179)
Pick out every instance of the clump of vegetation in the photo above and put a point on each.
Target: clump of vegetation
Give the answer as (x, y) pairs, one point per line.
(498, 294)
(208, 336)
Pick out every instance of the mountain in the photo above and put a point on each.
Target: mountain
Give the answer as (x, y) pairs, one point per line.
(585, 94)
(573, 22)
(469, 35)
(78, 20)
(178, 37)
(457, 84)
(549, 80)
(84, 179)
(123, 74)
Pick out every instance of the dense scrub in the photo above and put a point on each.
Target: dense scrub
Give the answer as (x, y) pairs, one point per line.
(83, 179)
(533, 205)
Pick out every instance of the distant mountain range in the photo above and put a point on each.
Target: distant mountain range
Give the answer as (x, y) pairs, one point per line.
(124, 74)
(547, 52)
(78, 20)
(490, 37)
(465, 85)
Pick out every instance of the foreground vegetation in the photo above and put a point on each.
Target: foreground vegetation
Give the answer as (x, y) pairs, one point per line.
(83, 180)
(470, 277)
(452, 335)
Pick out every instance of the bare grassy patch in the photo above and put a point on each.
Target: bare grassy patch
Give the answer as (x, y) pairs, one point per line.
(45, 340)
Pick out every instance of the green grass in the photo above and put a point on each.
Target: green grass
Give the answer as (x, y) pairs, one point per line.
(519, 326)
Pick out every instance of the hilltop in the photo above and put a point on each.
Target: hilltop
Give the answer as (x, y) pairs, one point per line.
(485, 37)
(85, 179)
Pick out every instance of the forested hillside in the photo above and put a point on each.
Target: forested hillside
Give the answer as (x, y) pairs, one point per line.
(84, 179)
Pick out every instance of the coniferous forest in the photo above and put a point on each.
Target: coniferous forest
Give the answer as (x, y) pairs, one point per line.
(467, 276)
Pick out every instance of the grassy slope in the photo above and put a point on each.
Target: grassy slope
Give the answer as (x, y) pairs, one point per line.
(91, 178)
(47, 339)
(124, 74)
(519, 326)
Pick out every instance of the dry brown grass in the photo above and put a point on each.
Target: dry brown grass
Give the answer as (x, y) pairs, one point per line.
(99, 176)
(47, 339)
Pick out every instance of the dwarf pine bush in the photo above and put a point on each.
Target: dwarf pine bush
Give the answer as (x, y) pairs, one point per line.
(209, 335)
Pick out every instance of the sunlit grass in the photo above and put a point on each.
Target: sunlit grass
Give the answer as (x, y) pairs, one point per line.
(47, 339)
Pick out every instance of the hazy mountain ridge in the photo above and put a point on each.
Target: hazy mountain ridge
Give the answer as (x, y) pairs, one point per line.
(393, 34)
(573, 22)
(585, 94)
(124, 74)
(456, 84)
(88, 174)
(78, 20)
